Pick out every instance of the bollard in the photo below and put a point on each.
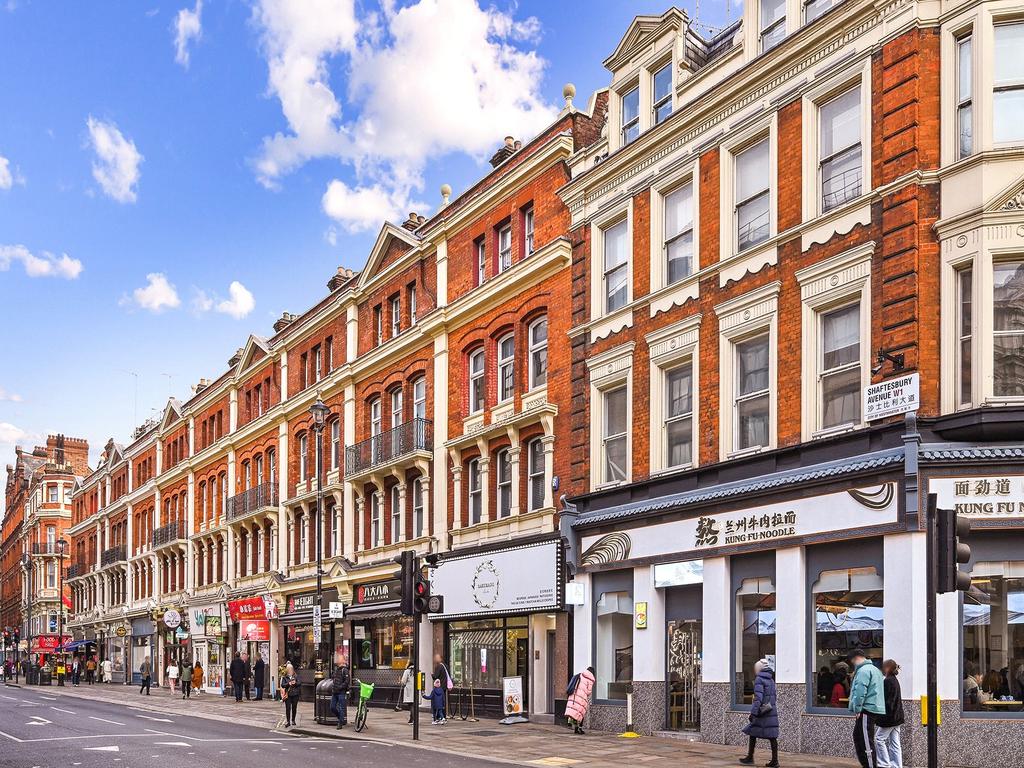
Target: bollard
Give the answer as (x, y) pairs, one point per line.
(629, 732)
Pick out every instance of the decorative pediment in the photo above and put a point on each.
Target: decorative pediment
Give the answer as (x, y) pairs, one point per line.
(391, 243)
(172, 413)
(643, 31)
(1010, 199)
(255, 350)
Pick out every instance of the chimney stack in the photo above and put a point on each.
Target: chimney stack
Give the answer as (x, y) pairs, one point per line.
(286, 319)
(413, 222)
(509, 148)
(339, 278)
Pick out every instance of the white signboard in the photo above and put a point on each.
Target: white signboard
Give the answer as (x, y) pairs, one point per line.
(892, 397)
(575, 593)
(335, 610)
(766, 524)
(980, 497)
(517, 580)
(172, 619)
(512, 695)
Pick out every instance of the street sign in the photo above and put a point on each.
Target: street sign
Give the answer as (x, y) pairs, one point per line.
(172, 619)
(335, 610)
(317, 625)
(892, 397)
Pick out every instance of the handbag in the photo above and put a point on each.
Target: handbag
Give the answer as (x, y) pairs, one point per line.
(764, 709)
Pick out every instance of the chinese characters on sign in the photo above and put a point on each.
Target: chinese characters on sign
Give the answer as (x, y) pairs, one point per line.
(1001, 496)
(892, 397)
(715, 531)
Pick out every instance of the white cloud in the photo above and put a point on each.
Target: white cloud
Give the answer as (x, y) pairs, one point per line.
(156, 295)
(187, 27)
(10, 397)
(460, 68)
(240, 302)
(331, 235)
(12, 435)
(201, 301)
(45, 264)
(8, 176)
(116, 167)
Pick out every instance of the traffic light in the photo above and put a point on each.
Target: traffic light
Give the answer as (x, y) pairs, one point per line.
(950, 529)
(421, 592)
(407, 581)
(17, 635)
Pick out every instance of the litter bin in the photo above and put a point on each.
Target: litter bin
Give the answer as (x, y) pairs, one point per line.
(322, 702)
(45, 676)
(32, 675)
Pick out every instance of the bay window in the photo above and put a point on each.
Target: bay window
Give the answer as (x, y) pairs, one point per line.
(840, 373)
(661, 88)
(538, 353)
(616, 266)
(679, 416)
(752, 195)
(1008, 328)
(614, 424)
(506, 367)
(839, 159)
(1008, 83)
(752, 398)
(476, 381)
(630, 115)
(964, 97)
(678, 234)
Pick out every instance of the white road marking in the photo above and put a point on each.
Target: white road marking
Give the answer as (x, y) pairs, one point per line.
(37, 720)
(112, 748)
(157, 719)
(9, 697)
(12, 738)
(65, 711)
(48, 698)
(171, 744)
(104, 720)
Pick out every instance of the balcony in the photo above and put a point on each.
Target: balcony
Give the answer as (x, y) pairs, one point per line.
(249, 502)
(167, 534)
(77, 569)
(409, 440)
(45, 548)
(113, 555)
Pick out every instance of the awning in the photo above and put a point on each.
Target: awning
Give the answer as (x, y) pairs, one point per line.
(385, 611)
(76, 644)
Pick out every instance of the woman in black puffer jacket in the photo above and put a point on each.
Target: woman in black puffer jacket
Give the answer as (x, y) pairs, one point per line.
(764, 714)
(887, 726)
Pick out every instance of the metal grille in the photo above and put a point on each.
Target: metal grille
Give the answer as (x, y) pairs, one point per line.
(684, 653)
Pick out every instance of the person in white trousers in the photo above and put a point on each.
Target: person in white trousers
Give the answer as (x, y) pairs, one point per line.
(888, 750)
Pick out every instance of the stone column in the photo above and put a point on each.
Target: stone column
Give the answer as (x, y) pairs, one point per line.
(485, 487)
(456, 497)
(514, 452)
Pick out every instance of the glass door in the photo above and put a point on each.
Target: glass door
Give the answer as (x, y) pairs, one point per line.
(684, 670)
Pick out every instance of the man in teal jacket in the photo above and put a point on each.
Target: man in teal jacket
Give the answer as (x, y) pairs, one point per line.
(867, 701)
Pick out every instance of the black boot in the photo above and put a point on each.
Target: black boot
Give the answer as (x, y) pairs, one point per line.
(748, 760)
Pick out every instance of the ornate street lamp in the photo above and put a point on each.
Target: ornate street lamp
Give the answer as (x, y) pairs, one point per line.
(60, 605)
(319, 411)
(26, 564)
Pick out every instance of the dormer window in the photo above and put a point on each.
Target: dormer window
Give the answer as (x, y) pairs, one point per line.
(630, 115)
(661, 88)
(773, 23)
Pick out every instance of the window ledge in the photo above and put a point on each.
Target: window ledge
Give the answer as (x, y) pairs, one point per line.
(673, 470)
(838, 430)
(747, 452)
(608, 486)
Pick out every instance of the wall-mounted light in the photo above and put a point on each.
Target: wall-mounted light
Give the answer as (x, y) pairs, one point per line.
(898, 361)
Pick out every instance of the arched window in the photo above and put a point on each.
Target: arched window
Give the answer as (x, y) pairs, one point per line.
(396, 407)
(539, 352)
(272, 466)
(506, 367)
(419, 398)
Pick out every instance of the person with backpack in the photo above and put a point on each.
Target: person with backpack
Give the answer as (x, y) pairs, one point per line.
(339, 699)
(764, 714)
(867, 702)
(887, 733)
(579, 690)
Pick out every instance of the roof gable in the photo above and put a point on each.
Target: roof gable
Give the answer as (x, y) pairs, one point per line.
(255, 350)
(1010, 199)
(641, 32)
(390, 240)
(172, 413)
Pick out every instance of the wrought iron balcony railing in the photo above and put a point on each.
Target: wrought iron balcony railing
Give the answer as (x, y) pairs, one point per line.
(167, 534)
(258, 497)
(113, 555)
(45, 548)
(76, 569)
(390, 446)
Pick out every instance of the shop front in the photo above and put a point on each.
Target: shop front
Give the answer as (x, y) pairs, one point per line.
(503, 607)
(143, 646)
(379, 646)
(206, 623)
(116, 648)
(299, 643)
(253, 621)
(175, 640)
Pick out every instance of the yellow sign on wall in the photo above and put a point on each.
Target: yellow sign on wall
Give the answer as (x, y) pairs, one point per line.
(640, 615)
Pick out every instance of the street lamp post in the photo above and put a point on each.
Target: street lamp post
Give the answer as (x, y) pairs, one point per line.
(60, 607)
(319, 412)
(26, 563)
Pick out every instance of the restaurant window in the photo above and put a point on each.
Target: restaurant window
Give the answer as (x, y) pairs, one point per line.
(840, 373)
(483, 651)
(661, 88)
(965, 336)
(539, 353)
(992, 627)
(535, 471)
(476, 494)
(679, 415)
(1008, 326)
(630, 115)
(417, 508)
(504, 496)
(752, 406)
(848, 617)
(839, 163)
(678, 236)
(300, 649)
(755, 633)
(506, 367)
(613, 645)
(383, 644)
(614, 441)
(773, 23)
(504, 247)
(752, 195)
(616, 266)
(1008, 85)
(476, 381)
(964, 97)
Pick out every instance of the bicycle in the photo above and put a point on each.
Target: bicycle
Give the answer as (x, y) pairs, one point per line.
(365, 692)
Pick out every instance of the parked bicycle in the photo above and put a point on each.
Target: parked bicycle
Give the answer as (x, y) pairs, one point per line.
(365, 692)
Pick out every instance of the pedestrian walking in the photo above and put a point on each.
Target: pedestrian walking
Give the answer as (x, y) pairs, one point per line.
(887, 732)
(339, 699)
(108, 671)
(436, 698)
(409, 690)
(186, 679)
(259, 670)
(197, 678)
(290, 691)
(248, 675)
(90, 670)
(580, 687)
(441, 673)
(172, 676)
(237, 674)
(764, 714)
(146, 673)
(76, 672)
(867, 702)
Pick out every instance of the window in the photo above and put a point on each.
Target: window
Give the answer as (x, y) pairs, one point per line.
(481, 261)
(993, 636)
(614, 435)
(528, 230)
(840, 367)
(476, 381)
(752, 403)
(504, 247)
(376, 534)
(504, 483)
(378, 325)
(417, 508)
(965, 333)
(272, 466)
(679, 234)
(1008, 328)
(258, 464)
(815, 8)
(506, 367)
(964, 97)
(679, 416)
(539, 353)
(616, 266)
(661, 88)
(51, 539)
(1008, 86)
(411, 291)
(396, 316)
(328, 355)
(613, 641)
(419, 398)
(755, 633)
(396, 514)
(303, 456)
(318, 364)
(535, 474)
(773, 23)
(848, 616)
(52, 494)
(839, 164)
(51, 574)
(630, 115)
(224, 485)
(752, 195)
(335, 443)
(396, 407)
(476, 495)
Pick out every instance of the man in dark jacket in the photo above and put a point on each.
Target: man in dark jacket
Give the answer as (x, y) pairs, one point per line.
(258, 673)
(248, 674)
(887, 731)
(339, 702)
(237, 674)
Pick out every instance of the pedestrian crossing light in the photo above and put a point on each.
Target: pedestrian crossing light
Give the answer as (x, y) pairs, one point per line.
(952, 551)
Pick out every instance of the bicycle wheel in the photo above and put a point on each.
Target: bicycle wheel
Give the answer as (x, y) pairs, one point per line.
(361, 717)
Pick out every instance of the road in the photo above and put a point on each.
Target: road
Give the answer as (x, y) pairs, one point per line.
(42, 730)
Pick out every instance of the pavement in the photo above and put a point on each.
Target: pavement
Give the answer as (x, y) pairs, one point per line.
(530, 744)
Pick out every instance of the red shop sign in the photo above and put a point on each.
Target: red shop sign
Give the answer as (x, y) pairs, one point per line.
(260, 607)
(47, 643)
(254, 629)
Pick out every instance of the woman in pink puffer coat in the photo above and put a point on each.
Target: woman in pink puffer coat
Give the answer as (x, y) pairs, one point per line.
(579, 700)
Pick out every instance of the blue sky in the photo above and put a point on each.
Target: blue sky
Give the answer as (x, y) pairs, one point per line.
(174, 175)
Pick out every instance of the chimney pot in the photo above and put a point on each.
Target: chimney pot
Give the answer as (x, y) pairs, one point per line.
(509, 141)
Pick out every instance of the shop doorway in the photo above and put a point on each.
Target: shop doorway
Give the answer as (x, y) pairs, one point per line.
(685, 652)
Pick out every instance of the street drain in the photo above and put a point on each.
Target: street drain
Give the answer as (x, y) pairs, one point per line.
(485, 733)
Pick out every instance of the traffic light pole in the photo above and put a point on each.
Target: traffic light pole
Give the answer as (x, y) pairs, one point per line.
(415, 713)
(931, 564)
